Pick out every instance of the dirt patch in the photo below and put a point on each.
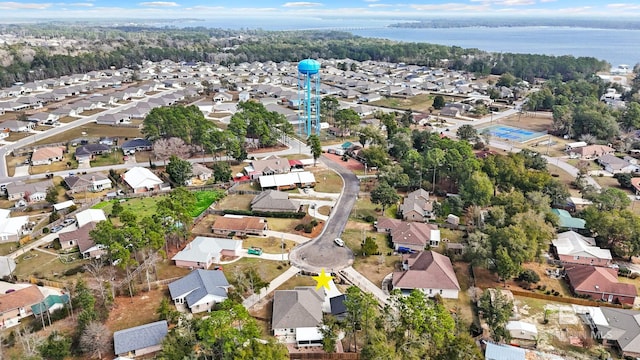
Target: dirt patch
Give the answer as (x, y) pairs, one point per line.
(352, 225)
(350, 164)
(485, 279)
(539, 121)
(133, 311)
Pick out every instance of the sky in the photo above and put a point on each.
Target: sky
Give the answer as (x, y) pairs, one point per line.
(274, 9)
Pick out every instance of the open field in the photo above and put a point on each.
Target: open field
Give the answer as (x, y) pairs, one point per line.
(143, 206)
(92, 130)
(327, 181)
(267, 269)
(235, 202)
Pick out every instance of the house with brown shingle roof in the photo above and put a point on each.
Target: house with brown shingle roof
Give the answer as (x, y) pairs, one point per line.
(413, 235)
(17, 304)
(591, 152)
(270, 165)
(429, 272)
(82, 239)
(600, 283)
(47, 155)
(239, 226)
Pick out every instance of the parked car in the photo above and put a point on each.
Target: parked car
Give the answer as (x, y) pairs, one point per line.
(254, 251)
(404, 250)
(57, 228)
(68, 222)
(338, 241)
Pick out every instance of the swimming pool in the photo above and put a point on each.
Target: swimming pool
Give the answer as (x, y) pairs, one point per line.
(512, 133)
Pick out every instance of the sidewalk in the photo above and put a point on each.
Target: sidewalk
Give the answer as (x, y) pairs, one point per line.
(273, 285)
(365, 285)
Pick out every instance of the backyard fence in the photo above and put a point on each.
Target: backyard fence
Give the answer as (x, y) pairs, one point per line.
(566, 300)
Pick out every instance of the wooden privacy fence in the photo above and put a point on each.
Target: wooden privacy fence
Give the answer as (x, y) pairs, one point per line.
(562, 299)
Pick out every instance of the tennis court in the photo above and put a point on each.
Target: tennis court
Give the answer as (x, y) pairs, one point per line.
(512, 133)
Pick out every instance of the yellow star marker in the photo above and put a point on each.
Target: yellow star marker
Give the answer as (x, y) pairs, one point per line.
(322, 279)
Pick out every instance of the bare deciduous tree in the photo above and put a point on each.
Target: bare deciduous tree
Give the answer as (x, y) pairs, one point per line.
(95, 340)
(29, 341)
(101, 275)
(164, 148)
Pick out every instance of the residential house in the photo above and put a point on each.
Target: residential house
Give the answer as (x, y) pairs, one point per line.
(93, 182)
(417, 206)
(17, 125)
(114, 119)
(591, 152)
(412, 235)
(88, 152)
(12, 228)
(521, 330)
(89, 216)
(223, 97)
(32, 192)
(616, 165)
(268, 166)
(43, 118)
(16, 305)
(82, 239)
(47, 155)
(566, 221)
(616, 328)
(600, 283)
(635, 183)
(142, 180)
(274, 201)
(297, 316)
(140, 340)
(137, 144)
(239, 226)
(200, 290)
(204, 251)
(200, 173)
(573, 248)
(287, 181)
(429, 272)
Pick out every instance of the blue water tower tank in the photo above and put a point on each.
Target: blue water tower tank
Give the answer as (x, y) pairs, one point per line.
(308, 67)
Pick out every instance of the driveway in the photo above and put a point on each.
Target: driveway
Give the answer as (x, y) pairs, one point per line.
(322, 253)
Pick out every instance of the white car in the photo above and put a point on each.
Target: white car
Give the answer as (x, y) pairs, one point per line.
(338, 241)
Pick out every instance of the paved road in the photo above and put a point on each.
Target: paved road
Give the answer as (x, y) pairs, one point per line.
(43, 240)
(322, 252)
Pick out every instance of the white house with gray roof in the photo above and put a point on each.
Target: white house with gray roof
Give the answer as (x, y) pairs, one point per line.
(200, 290)
(297, 316)
(274, 200)
(204, 251)
(140, 340)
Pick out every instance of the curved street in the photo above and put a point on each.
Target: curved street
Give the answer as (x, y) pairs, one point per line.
(322, 252)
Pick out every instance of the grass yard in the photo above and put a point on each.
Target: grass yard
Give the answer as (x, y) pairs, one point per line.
(235, 202)
(204, 199)
(166, 269)
(298, 280)
(43, 265)
(283, 225)
(370, 266)
(364, 207)
(324, 210)
(67, 119)
(267, 269)
(57, 165)
(270, 245)
(564, 178)
(15, 136)
(114, 158)
(8, 248)
(92, 130)
(327, 181)
(420, 102)
(92, 112)
(608, 181)
(144, 206)
(463, 306)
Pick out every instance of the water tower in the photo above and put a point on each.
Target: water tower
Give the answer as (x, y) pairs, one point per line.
(308, 96)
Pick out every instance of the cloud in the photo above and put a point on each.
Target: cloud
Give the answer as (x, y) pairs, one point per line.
(622, 6)
(159, 4)
(506, 2)
(15, 6)
(380, 5)
(450, 7)
(86, 4)
(297, 4)
(371, 0)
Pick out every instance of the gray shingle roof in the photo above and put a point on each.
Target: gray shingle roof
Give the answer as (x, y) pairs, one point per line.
(199, 283)
(272, 200)
(139, 337)
(296, 308)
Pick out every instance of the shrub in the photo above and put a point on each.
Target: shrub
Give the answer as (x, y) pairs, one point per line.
(634, 275)
(529, 276)
(74, 270)
(314, 222)
(308, 228)
(623, 271)
(299, 227)
(369, 218)
(548, 292)
(45, 230)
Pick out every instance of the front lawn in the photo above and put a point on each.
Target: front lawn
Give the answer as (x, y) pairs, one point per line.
(108, 159)
(144, 206)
